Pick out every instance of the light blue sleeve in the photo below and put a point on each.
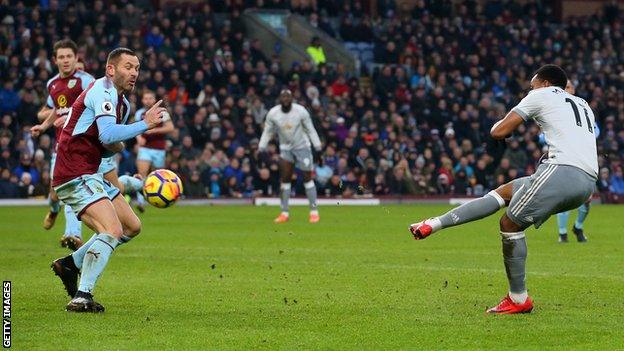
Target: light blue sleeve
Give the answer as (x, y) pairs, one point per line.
(49, 100)
(139, 114)
(111, 132)
(86, 79)
(103, 102)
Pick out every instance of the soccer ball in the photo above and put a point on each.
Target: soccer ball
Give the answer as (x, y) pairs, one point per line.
(162, 188)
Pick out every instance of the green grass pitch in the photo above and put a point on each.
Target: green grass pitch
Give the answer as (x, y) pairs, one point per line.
(227, 278)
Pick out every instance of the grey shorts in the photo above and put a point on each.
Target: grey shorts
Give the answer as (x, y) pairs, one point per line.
(552, 189)
(302, 158)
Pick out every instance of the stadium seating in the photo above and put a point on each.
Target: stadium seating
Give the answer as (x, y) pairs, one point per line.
(414, 119)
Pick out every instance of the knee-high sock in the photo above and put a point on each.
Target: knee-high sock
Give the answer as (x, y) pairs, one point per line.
(310, 189)
(472, 210)
(79, 254)
(73, 226)
(55, 206)
(285, 196)
(562, 221)
(96, 260)
(131, 184)
(514, 255)
(583, 211)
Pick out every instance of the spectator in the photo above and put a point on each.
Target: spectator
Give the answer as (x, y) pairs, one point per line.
(381, 188)
(154, 39)
(429, 94)
(233, 188)
(8, 185)
(316, 52)
(264, 185)
(193, 187)
(26, 189)
(215, 184)
(340, 88)
(617, 183)
(401, 182)
(323, 174)
(26, 167)
(517, 157)
(9, 99)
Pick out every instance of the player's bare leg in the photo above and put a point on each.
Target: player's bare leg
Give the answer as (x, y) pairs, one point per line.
(514, 256)
(143, 167)
(55, 205)
(68, 268)
(286, 172)
(131, 224)
(468, 212)
(72, 238)
(310, 189)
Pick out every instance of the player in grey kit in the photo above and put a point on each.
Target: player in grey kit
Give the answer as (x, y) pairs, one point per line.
(296, 133)
(564, 181)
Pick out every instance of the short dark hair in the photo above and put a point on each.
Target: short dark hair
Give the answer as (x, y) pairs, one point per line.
(114, 55)
(65, 44)
(554, 74)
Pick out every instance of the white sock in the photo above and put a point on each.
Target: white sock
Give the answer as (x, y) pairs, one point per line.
(518, 298)
(435, 223)
(284, 213)
(314, 212)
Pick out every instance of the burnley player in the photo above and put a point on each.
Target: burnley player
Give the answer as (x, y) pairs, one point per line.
(94, 128)
(152, 144)
(294, 127)
(63, 90)
(564, 181)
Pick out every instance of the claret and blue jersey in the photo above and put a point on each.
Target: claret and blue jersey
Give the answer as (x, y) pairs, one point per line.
(63, 92)
(80, 149)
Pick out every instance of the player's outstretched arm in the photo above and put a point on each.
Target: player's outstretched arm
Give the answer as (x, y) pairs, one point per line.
(110, 132)
(44, 113)
(47, 122)
(503, 128)
(166, 127)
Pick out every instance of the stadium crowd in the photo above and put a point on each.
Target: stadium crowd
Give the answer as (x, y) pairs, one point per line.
(419, 126)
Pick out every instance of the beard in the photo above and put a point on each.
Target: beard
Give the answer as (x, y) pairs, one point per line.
(286, 109)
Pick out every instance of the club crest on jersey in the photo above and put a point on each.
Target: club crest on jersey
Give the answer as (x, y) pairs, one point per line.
(62, 101)
(71, 83)
(107, 106)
